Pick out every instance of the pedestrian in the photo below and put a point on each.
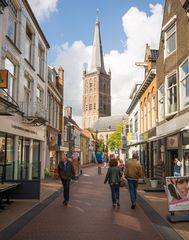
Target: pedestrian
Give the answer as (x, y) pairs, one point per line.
(133, 171)
(66, 172)
(177, 167)
(113, 177)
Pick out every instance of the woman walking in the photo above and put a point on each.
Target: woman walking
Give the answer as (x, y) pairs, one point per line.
(113, 177)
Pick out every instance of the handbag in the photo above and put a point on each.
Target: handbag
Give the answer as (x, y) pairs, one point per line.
(122, 182)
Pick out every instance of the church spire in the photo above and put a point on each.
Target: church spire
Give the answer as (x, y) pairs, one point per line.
(97, 61)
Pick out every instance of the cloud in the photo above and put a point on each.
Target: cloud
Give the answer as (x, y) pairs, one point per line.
(139, 29)
(43, 8)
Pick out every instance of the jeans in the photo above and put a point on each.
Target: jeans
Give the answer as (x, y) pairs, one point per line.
(114, 192)
(66, 189)
(132, 185)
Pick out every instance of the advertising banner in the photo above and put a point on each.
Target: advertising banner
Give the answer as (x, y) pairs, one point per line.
(177, 189)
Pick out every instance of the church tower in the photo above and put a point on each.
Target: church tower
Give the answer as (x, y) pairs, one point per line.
(96, 85)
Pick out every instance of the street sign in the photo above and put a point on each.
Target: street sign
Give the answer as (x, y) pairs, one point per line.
(116, 151)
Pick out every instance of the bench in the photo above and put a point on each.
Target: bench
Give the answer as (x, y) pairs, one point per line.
(5, 189)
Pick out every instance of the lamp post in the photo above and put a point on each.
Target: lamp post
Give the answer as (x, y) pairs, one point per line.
(70, 139)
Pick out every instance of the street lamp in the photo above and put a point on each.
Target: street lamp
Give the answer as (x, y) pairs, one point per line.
(70, 127)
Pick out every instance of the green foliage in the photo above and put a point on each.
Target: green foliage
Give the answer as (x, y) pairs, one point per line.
(114, 140)
(99, 145)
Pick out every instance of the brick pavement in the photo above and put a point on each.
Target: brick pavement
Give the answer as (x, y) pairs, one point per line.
(89, 215)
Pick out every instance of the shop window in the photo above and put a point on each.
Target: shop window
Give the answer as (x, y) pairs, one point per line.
(36, 160)
(9, 157)
(185, 138)
(184, 81)
(6, 156)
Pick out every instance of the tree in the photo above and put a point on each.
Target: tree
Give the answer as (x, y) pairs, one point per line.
(114, 140)
(99, 145)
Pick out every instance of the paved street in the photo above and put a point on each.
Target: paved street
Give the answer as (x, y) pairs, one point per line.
(89, 215)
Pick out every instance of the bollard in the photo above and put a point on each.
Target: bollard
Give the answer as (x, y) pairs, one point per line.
(99, 170)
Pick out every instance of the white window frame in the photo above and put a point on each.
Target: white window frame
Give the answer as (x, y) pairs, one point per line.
(13, 22)
(41, 60)
(184, 98)
(169, 89)
(153, 107)
(149, 117)
(131, 125)
(171, 31)
(28, 90)
(29, 47)
(161, 103)
(145, 117)
(136, 121)
(166, 29)
(12, 80)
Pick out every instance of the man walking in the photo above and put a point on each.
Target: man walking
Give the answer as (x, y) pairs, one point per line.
(66, 173)
(133, 171)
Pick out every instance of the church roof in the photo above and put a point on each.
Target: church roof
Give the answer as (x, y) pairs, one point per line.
(108, 124)
(97, 60)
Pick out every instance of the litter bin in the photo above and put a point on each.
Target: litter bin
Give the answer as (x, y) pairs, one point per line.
(154, 183)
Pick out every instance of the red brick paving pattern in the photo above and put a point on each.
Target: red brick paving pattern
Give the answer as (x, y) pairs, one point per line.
(89, 215)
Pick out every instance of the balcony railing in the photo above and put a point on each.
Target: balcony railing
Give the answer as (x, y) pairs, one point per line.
(34, 112)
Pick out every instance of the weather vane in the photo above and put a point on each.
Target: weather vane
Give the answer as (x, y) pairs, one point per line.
(97, 11)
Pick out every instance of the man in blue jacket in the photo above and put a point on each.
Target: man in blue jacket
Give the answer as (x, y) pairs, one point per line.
(66, 173)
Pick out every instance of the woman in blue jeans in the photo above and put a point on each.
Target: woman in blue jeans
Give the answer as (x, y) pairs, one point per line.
(113, 177)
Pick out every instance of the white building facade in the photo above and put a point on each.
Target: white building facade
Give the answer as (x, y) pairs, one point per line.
(23, 98)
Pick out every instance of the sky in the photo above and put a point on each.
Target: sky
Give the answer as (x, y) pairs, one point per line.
(126, 26)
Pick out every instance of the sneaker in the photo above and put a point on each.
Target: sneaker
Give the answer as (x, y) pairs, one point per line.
(118, 204)
(133, 206)
(114, 205)
(65, 203)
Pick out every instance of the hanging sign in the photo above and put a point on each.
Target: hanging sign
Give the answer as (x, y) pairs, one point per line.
(4, 79)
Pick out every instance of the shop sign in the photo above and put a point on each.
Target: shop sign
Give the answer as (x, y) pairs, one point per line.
(177, 190)
(132, 136)
(53, 140)
(4, 79)
(144, 136)
(172, 142)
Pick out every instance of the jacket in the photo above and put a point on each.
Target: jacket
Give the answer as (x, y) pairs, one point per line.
(113, 175)
(133, 169)
(69, 173)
